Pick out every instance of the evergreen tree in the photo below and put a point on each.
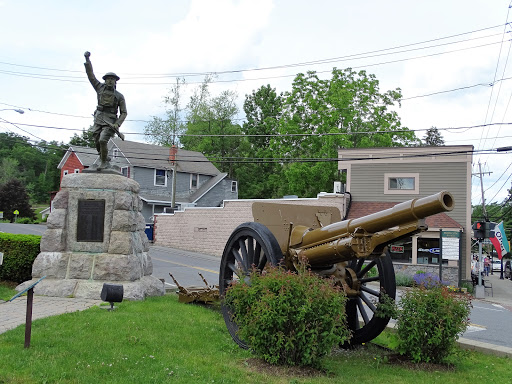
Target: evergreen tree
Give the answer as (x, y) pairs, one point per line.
(433, 138)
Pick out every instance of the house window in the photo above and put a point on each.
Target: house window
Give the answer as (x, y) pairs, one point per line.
(234, 186)
(401, 183)
(115, 153)
(160, 177)
(65, 173)
(194, 179)
(77, 171)
(125, 171)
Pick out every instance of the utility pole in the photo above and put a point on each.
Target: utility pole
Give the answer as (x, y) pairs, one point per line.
(173, 160)
(479, 292)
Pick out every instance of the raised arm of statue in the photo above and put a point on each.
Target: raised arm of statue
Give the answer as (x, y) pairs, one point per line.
(88, 70)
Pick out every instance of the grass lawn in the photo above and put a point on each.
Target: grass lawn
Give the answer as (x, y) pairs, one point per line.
(7, 290)
(160, 340)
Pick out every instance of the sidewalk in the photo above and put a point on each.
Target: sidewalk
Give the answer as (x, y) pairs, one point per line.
(501, 291)
(13, 313)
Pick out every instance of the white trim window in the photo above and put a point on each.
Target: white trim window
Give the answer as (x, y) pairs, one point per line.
(401, 183)
(234, 186)
(160, 178)
(125, 171)
(65, 173)
(194, 180)
(77, 171)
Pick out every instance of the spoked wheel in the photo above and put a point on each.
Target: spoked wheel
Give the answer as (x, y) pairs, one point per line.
(251, 245)
(364, 304)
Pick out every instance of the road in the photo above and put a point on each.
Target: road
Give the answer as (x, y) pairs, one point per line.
(490, 323)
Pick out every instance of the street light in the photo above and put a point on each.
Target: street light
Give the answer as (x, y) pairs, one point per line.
(20, 111)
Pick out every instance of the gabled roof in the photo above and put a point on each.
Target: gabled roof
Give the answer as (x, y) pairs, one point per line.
(194, 198)
(363, 208)
(85, 155)
(156, 156)
(201, 191)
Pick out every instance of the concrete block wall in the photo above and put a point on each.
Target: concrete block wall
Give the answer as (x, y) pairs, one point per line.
(450, 274)
(206, 230)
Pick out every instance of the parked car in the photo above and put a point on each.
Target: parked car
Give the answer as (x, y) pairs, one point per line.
(508, 270)
(496, 265)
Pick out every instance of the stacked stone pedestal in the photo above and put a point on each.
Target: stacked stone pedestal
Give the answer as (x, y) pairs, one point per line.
(120, 256)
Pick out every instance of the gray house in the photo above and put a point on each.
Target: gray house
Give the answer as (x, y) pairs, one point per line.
(378, 178)
(198, 182)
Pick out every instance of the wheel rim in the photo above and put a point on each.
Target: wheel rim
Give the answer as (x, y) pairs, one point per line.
(251, 245)
(364, 304)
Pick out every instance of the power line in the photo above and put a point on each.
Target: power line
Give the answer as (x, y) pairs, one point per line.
(398, 131)
(148, 121)
(313, 62)
(263, 159)
(42, 76)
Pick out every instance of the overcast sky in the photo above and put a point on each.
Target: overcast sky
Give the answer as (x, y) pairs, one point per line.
(464, 50)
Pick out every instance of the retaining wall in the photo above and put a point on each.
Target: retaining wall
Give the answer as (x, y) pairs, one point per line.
(206, 230)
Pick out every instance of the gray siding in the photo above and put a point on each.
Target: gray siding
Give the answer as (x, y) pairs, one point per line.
(215, 196)
(367, 183)
(146, 178)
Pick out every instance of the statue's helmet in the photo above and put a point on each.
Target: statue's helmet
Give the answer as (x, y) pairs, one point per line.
(111, 74)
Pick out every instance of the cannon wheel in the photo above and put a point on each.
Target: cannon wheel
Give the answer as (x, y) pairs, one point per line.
(372, 325)
(251, 245)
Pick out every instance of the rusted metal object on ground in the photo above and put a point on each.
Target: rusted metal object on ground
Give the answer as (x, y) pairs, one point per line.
(353, 252)
(197, 294)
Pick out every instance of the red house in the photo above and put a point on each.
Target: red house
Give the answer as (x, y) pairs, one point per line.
(76, 159)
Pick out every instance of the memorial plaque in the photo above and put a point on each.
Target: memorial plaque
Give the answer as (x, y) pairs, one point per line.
(91, 219)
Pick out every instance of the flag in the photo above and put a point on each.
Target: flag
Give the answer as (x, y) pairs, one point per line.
(499, 240)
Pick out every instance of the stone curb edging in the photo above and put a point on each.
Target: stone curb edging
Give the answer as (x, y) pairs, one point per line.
(464, 343)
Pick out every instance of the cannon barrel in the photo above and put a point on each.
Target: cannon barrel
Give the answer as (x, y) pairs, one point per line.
(353, 238)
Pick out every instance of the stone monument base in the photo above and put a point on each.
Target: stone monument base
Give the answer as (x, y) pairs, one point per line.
(91, 289)
(95, 235)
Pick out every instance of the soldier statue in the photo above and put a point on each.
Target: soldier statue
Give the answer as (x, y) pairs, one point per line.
(106, 120)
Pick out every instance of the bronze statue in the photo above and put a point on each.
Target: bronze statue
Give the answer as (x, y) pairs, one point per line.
(106, 121)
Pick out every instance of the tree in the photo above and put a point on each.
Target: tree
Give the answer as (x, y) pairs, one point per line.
(33, 160)
(259, 179)
(209, 120)
(13, 196)
(166, 131)
(433, 138)
(8, 169)
(320, 116)
(85, 140)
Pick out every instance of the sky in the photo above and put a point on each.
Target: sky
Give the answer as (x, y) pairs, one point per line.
(447, 57)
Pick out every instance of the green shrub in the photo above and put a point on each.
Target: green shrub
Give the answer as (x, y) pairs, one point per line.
(468, 285)
(430, 321)
(289, 318)
(403, 280)
(19, 252)
(24, 220)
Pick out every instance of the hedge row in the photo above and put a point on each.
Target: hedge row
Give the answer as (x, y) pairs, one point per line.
(19, 251)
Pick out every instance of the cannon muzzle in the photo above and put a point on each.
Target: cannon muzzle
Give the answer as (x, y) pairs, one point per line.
(355, 238)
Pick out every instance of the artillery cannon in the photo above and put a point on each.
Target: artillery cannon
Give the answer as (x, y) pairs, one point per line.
(285, 234)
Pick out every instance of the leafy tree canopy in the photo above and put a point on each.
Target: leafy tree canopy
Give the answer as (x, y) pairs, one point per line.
(86, 139)
(319, 116)
(34, 165)
(166, 131)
